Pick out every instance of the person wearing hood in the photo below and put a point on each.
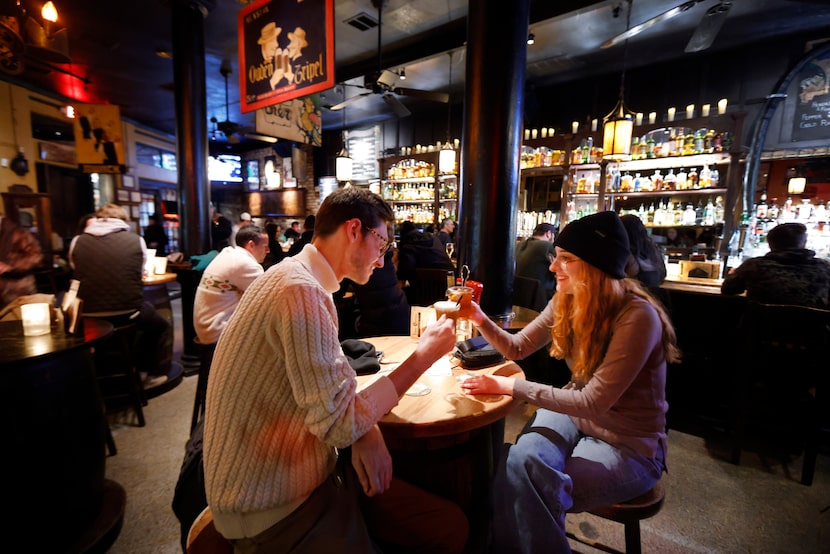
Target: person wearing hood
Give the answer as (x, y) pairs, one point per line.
(645, 263)
(108, 258)
(419, 249)
(788, 274)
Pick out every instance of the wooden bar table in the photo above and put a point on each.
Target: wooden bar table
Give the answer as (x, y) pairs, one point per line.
(445, 441)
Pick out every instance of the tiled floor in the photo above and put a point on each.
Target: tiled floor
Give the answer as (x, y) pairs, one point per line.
(711, 505)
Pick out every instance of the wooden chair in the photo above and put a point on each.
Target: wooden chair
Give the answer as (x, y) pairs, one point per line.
(782, 370)
(529, 293)
(629, 513)
(429, 287)
(203, 537)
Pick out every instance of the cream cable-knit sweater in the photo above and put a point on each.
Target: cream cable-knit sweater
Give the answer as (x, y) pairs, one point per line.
(224, 280)
(281, 397)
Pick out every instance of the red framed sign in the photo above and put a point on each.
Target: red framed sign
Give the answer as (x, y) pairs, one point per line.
(286, 50)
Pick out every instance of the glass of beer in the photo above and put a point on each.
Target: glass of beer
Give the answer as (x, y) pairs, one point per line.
(462, 297)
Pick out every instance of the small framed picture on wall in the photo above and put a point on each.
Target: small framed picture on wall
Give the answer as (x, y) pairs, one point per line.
(122, 195)
(128, 182)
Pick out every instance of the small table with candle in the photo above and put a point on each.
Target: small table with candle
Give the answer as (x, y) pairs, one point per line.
(53, 424)
(440, 438)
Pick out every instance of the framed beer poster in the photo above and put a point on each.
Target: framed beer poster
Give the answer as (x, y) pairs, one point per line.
(286, 50)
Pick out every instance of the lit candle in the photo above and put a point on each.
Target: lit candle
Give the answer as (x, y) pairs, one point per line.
(671, 113)
(575, 127)
(36, 319)
(527, 134)
(704, 110)
(722, 106)
(593, 124)
(457, 143)
(638, 119)
(550, 131)
(534, 133)
(690, 111)
(544, 132)
(652, 117)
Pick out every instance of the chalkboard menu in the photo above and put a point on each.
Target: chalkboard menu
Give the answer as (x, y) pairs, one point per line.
(364, 150)
(812, 109)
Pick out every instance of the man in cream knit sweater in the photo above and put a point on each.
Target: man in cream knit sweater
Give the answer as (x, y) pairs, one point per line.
(282, 401)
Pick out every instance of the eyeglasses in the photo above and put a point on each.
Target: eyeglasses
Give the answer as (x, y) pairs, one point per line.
(386, 245)
(564, 259)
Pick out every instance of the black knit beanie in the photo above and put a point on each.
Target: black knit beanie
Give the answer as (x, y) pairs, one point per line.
(599, 239)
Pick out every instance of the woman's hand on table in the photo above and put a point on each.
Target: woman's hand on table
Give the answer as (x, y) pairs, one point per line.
(372, 462)
(437, 339)
(488, 384)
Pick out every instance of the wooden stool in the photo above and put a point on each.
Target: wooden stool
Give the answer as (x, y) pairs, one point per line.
(628, 513)
(203, 537)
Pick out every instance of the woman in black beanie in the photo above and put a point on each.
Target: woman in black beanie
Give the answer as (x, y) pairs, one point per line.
(601, 438)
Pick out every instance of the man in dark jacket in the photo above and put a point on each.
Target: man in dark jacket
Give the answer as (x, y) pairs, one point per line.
(419, 249)
(788, 274)
(532, 258)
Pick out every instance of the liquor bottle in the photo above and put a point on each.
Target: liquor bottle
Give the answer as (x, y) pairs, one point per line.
(774, 210)
(820, 214)
(705, 178)
(641, 213)
(657, 180)
(709, 213)
(699, 214)
(625, 182)
(650, 215)
(650, 147)
(691, 179)
(689, 215)
(805, 210)
(646, 184)
(678, 213)
(715, 177)
(670, 181)
(719, 210)
(681, 180)
(637, 181)
(699, 137)
(761, 211)
(635, 148)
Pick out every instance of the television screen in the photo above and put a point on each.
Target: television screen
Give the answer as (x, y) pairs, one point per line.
(225, 168)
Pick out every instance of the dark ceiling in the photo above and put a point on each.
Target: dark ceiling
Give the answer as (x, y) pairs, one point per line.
(118, 48)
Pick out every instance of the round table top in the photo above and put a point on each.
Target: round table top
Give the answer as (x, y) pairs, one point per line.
(158, 279)
(15, 347)
(446, 409)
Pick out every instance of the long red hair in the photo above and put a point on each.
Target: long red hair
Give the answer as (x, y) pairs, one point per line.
(583, 320)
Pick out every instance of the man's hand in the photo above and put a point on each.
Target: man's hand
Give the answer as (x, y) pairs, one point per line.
(372, 462)
(438, 338)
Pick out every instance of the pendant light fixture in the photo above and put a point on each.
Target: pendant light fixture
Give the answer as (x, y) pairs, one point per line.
(343, 164)
(619, 124)
(446, 158)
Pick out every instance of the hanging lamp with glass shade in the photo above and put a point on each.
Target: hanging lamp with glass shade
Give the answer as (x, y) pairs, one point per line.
(618, 126)
(343, 164)
(446, 157)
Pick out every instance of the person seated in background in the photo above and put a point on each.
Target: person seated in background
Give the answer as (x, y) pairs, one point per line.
(20, 253)
(292, 451)
(646, 262)
(109, 259)
(418, 249)
(225, 279)
(533, 258)
(220, 229)
(446, 231)
(155, 237)
(674, 238)
(601, 439)
(381, 303)
(275, 239)
(244, 220)
(293, 232)
(305, 238)
(789, 273)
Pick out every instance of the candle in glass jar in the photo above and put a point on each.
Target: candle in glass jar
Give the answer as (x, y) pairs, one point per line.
(527, 134)
(722, 106)
(534, 133)
(704, 110)
(575, 127)
(36, 319)
(638, 118)
(652, 118)
(671, 113)
(594, 124)
(550, 131)
(690, 111)
(544, 132)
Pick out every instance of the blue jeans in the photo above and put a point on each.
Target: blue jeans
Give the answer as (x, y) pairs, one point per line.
(554, 469)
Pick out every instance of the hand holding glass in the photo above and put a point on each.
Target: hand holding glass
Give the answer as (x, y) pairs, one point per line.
(450, 248)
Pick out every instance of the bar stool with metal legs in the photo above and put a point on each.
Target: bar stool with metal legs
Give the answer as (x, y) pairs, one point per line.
(115, 367)
(205, 359)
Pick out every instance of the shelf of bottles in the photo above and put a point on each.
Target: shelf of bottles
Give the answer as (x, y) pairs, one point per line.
(528, 220)
(814, 214)
(417, 194)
